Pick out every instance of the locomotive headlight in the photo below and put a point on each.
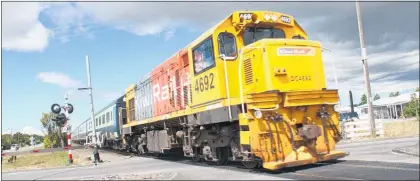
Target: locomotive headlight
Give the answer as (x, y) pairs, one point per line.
(274, 17)
(337, 108)
(258, 114)
(267, 17)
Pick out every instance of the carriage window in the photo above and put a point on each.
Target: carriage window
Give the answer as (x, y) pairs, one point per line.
(203, 56)
(108, 118)
(227, 45)
(132, 110)
(253, 34)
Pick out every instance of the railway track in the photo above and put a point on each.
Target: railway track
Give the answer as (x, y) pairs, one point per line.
(331, 170)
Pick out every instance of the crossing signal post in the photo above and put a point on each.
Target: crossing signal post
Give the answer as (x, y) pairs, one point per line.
(62, 120)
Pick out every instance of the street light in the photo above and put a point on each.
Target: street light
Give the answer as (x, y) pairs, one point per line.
(91, 98)
(366, 71)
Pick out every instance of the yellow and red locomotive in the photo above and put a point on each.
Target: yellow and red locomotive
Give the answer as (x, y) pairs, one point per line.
(251, 89)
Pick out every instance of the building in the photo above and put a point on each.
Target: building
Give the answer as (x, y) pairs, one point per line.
(389, 107)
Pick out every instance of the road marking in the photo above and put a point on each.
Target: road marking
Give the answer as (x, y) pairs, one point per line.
(342, 178)
(354, 165)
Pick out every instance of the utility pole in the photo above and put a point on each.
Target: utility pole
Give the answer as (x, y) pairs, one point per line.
(91, 98)
(366, 71)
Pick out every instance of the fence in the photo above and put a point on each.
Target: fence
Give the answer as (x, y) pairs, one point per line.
(361, 128)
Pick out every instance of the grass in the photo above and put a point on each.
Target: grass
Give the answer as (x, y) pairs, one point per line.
(36, 160)
(401, 128)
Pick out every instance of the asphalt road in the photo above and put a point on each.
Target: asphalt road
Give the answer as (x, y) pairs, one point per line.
(380, 150)
(26, 148)
(367, 161)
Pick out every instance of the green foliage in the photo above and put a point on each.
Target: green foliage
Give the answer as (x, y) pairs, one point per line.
(363, 99)
(394, 94)
(376, 97)
(47, 142)
(54, 134)
(18, 138)
(412, 108)
(417, 89)
(6, 141)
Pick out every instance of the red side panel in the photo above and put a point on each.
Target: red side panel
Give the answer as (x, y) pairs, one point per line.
(168, 81)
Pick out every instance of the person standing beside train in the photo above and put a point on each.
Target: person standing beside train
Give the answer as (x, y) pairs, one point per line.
(96, 158)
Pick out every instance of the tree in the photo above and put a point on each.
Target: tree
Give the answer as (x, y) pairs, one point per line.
(412, 108)
(363, 100)
(376, 97)
(18, 138)
(417, 89)
(54, 134)
(47, 142)
(6, 141)
(394, 94)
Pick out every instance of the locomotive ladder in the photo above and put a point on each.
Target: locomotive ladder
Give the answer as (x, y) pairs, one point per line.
(186, 136)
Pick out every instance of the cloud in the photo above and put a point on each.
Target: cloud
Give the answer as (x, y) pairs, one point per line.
(30, 130)
(21, 29)
(146, 18)
(389, 71)
(69, 21)
(59, 79)
(168, 35)
(392, 45)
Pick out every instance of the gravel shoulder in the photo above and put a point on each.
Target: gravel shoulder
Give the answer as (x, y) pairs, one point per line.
(84, 156)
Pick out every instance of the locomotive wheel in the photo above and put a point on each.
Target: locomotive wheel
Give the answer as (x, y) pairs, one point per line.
(155, 154)
(196, 158)
(222, 155)
(250, 164)
(140, 150)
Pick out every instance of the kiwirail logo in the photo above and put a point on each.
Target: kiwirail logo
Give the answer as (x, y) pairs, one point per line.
(287, 51)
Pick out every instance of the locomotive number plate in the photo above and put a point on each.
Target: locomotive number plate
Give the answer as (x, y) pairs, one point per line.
(204, 83)
(299, 78)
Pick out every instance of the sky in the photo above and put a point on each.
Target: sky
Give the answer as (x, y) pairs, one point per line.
(44, 47)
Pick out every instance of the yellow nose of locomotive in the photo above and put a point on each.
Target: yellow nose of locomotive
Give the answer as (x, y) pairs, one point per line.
(284, 65)
(289, 108)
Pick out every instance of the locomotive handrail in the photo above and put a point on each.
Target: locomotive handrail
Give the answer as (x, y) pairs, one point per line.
(227, 86)
(333, 62)
(335, 75)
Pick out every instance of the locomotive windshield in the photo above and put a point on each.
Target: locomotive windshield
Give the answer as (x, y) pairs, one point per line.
(253, 34)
